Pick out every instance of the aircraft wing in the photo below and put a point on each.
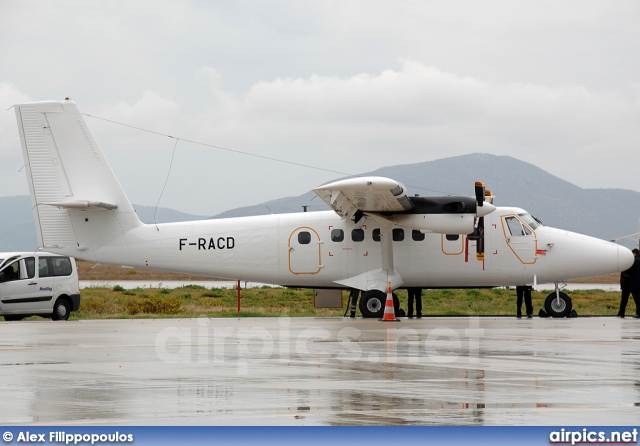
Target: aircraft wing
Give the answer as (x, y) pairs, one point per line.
(365, 194)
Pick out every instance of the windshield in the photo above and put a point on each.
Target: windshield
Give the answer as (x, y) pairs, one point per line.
(4, 261)
(530, 220)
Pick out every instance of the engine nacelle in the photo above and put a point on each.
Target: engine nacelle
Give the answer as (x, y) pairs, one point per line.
(438, 223)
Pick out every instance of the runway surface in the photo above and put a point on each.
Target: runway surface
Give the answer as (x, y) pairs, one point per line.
(328, 371)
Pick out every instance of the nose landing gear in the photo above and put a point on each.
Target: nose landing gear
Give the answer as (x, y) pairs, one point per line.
(558, 304)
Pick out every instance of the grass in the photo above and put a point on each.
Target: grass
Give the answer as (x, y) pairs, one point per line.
(196, 301)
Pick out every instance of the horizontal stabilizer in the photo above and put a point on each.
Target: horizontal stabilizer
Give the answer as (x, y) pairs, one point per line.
(82, 204)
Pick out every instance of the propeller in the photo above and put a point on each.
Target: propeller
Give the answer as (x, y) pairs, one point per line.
(480, 193)
(478, 232)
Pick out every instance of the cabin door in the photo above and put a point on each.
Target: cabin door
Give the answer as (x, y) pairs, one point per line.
(304, 251)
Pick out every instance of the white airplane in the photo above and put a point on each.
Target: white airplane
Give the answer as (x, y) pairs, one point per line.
(376, 234)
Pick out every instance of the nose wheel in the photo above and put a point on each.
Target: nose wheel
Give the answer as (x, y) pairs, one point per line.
(558, 304)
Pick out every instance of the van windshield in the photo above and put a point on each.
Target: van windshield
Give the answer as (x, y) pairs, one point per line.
(5, 261)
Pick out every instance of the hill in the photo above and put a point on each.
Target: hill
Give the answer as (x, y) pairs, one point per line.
(602, 213)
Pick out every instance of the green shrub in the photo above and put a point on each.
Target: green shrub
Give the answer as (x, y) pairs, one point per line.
(152, 305)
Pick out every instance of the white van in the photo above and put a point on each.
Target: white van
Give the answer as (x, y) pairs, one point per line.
(39, 283)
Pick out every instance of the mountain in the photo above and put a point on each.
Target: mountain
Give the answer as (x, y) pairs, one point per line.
(602, 213)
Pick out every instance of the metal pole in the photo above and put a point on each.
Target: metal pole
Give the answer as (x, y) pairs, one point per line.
(238, 297)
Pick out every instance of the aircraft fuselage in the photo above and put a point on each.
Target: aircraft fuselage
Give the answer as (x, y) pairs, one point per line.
(319, 249)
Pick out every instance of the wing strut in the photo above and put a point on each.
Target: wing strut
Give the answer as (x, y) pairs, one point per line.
(379, 279)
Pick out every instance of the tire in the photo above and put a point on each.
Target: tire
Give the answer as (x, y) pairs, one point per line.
(372, 303)
(61, 310)
(13, 318)
(555, 308)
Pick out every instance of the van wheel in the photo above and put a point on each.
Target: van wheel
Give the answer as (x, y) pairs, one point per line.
(13, 318)
(61, 310)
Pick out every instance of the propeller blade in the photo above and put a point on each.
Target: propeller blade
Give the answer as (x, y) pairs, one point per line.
(480, 193)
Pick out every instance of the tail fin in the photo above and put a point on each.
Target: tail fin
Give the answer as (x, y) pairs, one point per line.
(78, 204)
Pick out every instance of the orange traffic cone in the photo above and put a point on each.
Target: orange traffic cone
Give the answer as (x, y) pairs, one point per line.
(389, 309)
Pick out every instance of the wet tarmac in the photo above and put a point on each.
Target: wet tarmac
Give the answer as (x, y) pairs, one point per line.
(321, 371)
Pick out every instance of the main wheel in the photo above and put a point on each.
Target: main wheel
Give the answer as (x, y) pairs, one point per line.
(61, 310)
(558, 308)
(372, 303)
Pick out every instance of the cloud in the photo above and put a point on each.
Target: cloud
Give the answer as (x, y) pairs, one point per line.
(347, 87)
(420, 112)
(359, 123)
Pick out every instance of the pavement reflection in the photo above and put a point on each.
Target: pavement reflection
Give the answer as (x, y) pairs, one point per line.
(329, 371)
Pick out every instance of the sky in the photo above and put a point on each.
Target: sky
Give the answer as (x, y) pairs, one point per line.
(286, 95)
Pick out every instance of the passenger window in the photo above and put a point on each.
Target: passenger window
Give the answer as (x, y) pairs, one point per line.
(61, 266)
(452, 237)
(337, 235)
(31, 267)
(398, 234)
(304, 237)
(43, 267)
(417, 236)
(375, 235)
(357, 235)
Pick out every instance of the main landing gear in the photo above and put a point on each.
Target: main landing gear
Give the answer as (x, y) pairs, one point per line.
(372, 303)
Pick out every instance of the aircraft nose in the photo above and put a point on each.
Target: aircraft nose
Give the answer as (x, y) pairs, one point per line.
(625, 258)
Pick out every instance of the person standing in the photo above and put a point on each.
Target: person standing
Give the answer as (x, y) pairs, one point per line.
(630, 284)
(524, 291)
(415, 293)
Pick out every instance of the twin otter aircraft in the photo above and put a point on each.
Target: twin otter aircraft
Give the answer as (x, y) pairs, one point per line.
(375, 235)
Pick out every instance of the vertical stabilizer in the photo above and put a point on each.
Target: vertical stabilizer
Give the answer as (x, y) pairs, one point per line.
(78, 204)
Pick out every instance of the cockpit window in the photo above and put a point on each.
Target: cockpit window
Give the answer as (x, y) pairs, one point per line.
(516, 227)
(530, 220)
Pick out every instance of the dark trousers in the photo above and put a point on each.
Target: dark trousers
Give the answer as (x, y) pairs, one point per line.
(624, 299)
(524, 292)
(415, 293)
(353, 297)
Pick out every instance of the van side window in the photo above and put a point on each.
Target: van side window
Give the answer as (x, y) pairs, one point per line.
(61, 266)
(31, 267)
(43, 267)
